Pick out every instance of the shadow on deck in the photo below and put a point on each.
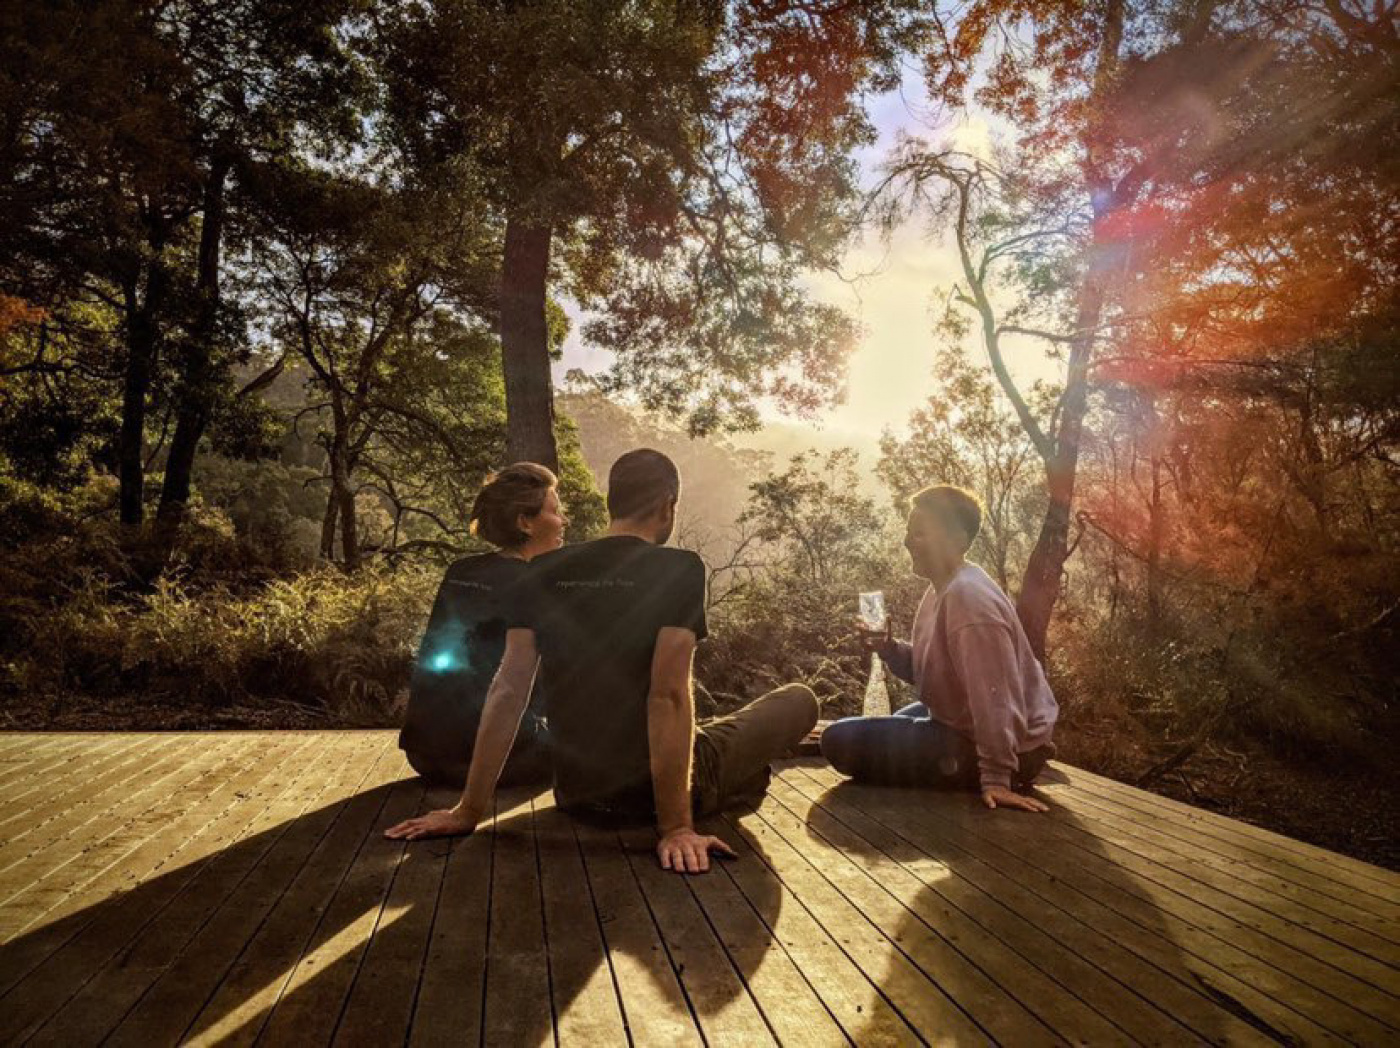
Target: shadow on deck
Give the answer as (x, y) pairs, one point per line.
(234, 887)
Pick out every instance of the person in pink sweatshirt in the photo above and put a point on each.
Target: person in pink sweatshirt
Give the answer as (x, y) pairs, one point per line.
(985, 713)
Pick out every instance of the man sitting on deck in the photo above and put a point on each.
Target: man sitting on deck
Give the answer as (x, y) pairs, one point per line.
(615, 623)
(985, 712)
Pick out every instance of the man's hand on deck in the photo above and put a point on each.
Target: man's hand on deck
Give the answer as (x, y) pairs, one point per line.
(446, 822)
(686, 851)
(1001, 797)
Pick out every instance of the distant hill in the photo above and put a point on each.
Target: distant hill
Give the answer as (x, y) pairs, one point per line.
(715, 471)
(782, 440)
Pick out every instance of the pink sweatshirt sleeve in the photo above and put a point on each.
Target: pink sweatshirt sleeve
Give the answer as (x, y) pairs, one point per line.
(986, 660)
(901, 662)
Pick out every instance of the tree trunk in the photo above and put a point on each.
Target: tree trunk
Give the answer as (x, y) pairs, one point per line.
(1041, 585)
(342, 494)
(328, 526)
(142, 340)
(1156, 531)
(197, 393)
(525, 345)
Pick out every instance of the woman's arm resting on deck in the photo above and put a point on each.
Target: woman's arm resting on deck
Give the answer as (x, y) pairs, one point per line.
(986, 659)
(500, 719)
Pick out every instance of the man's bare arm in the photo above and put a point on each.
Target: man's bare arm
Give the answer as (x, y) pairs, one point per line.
(671, 727)
(500, 720)
(671, 740)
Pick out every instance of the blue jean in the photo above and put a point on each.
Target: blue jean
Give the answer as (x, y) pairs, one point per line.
(910, 748)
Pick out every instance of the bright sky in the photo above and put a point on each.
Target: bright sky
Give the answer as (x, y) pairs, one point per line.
(889, 287)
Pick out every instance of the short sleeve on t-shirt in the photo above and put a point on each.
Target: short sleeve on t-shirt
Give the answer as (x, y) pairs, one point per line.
(686, 592)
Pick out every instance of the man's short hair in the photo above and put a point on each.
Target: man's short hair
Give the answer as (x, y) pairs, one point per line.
(640, 482)
(951, 506)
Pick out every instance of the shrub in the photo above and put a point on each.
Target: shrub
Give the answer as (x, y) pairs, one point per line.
(221, 623)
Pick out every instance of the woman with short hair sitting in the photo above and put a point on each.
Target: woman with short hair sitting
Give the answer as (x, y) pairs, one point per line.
(517, 511)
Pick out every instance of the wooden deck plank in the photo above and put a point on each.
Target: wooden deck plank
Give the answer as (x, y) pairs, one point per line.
(518, 1006)
(1056, 983)
(108, 908)
(32, 783)
(59, 805)
(380, 1001)
(1328, 965)
(792, 1008)
(43, 757)
(1318, 889)
(106, 800)
(583, 989)
(185, 875)
(718, 995)
(250, 989)
(1275, 847)
(24, 799)
(1179, 919)
(1347, 925)
(227, 888)
(1001, 990)
(31, 886)
(654, 1005)
(864, 1015)
(191, 954)
(937, 853)
(309, 1008)
(379, 1006)
(45, 816)
(923, 1002)
(451, 994)
(47, 967)
(12, 742)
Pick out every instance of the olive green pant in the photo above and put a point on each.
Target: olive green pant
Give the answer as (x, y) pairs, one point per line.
(732, 754)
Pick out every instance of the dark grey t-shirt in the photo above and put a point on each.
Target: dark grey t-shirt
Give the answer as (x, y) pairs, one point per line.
(596, 609)
(458, 657)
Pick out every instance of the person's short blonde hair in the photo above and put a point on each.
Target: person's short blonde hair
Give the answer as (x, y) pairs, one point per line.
(951, 506)
(517, 491)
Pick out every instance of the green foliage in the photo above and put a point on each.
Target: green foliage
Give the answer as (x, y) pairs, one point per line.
(713, 468)
(58, 412)
(785, 608)
(966, 436)
(1134, 691)
(28, 509)
(578, 490)
(814, 517)
(227, 624)
(689, 161)
(272, 508)
(782, 625)
(247, 428)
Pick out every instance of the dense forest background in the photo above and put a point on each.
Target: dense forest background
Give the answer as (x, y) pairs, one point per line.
(281, 282)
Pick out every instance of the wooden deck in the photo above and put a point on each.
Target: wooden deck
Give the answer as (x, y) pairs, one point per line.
(234, 887)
